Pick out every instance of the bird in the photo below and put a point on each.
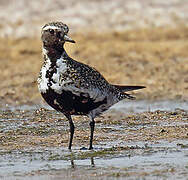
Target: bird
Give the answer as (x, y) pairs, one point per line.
(72, 87)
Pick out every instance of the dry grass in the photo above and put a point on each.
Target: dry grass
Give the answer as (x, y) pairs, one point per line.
(156, 58)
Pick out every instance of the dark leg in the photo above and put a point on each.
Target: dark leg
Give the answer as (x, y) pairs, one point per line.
(71, 130)
(92, 162)
(72, 164)
(92, 127)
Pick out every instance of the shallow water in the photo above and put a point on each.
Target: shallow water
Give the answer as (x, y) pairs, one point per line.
(126, 106)
(112, 158)
(151, 106)
(161, 159)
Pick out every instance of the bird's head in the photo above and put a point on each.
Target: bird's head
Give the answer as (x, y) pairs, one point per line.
(54, 34)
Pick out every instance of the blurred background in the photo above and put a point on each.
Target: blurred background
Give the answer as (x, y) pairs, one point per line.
(129, 41)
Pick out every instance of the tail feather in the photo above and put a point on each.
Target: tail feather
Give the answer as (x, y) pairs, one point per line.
(128, 96)
(128, 88)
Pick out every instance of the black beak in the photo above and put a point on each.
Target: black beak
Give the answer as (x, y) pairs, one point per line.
(68, 39)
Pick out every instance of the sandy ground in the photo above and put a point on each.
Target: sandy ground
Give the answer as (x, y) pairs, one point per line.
(155, 58)
(129, 42)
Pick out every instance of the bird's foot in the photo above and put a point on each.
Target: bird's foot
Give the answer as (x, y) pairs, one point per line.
(91, 148)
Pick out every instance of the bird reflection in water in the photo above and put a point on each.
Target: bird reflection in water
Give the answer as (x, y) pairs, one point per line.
(73, 166)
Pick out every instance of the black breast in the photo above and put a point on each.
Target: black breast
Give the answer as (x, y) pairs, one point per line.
(68, 103)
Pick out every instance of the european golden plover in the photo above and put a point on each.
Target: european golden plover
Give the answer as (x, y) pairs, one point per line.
(71, 87)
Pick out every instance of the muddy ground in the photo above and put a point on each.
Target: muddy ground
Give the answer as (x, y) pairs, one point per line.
(129, 42)
(47, 128)
(135, 146)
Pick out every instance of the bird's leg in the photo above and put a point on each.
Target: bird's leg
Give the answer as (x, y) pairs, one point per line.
(92, 162)
(92, 127)
(71, 130)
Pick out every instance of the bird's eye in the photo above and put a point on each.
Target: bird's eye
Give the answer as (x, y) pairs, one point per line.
(51, 31)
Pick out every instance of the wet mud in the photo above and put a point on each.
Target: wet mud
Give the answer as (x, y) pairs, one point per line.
(127, 145)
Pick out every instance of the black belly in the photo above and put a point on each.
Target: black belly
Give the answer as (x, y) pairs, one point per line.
(68, 103)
